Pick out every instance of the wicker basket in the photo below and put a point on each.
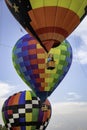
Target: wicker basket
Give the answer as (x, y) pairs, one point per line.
(50, 65)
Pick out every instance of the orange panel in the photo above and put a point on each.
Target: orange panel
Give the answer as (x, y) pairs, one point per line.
(45, 116)
(32, 42)
(14, 100)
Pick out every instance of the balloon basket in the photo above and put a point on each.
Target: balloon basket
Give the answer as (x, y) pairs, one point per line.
(51, 65)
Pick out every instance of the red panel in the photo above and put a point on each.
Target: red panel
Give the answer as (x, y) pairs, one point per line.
(9, 112)
(39, 80)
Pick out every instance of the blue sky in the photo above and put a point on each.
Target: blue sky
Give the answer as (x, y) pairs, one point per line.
(69, 100)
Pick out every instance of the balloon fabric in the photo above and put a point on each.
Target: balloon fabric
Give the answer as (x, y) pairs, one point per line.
(30, 62)
(24, 111)
(50, 21)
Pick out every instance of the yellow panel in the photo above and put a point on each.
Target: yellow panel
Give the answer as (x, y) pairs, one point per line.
(47, 88)
(41, 56)
(58, 52)
(81, 10)
(28, 117)
(57, 62)
(50, 2)
(39, 46)
(64, 3)
(42, 75)
(36, 3)
(49, 80)
(28, 95)
(75, 5)
(41, 3)
(50, 71)
(41, 66)
(52, 50)
(44, 84)
(28, 127)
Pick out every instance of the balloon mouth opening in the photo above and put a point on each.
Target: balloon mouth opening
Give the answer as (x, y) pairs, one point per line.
(48, 44)
(44, 107)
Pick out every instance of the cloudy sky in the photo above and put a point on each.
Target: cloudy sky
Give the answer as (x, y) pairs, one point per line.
(69, 100)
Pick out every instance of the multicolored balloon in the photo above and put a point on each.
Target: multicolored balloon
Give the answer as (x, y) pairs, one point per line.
(31, 63)
(24, 111)
(50, 21)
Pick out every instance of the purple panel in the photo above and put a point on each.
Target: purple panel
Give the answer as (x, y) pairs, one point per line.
(35, 66)
(33, 46)
(24, 48)
(28, 67)
(40, 117)
(34, 56)
(25, 58)
(34, 76)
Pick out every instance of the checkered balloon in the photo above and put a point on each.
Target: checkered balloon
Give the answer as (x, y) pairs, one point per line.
(31, 63)
(24, 111)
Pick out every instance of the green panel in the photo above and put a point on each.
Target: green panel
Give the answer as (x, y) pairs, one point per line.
(60, 67)
(62, 62)
(35, 114)
(14, 57)
(53, 75)
(51, 85)
(33, 127)
(16, 66)
(56, 56)
(63, 48)
(3, 117)
(62, 57)
(65, 64)
(26, 82)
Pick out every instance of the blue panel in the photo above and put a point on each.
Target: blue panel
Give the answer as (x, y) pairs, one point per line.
(22, 98)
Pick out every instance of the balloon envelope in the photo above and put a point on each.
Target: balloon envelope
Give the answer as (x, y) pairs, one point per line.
(24, 111)
(30, 62)
(50, 21)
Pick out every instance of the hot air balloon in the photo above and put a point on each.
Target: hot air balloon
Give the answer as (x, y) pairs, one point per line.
(24, 111)
(32, 64)
(49, 21)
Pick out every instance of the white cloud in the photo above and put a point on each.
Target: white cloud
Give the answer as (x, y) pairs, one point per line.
(81, 30)
(7, 90)
(79, 37)
(68, 116)
(73, 96)
(81, 55)
(65, 116)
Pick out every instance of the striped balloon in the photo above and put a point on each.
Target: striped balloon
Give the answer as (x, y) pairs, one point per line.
(24, 111)
(31, 63)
